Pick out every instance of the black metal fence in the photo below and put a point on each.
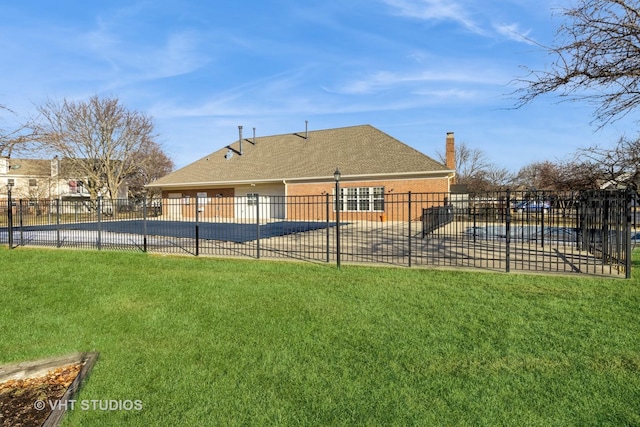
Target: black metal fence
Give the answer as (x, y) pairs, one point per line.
(579, 232)
(435, 217)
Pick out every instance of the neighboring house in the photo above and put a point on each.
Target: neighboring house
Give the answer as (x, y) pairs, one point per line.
(71, 169)
(266, 168)
(29, 178)
(621, 182)
(36, 179)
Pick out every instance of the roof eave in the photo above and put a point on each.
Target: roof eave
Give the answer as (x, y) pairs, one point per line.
(327, 178)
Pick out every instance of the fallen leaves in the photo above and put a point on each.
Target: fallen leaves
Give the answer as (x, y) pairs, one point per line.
(18, 397)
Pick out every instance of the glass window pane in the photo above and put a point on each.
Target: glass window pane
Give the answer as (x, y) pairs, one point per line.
(352, 199)
(364, 199)
(378, 198)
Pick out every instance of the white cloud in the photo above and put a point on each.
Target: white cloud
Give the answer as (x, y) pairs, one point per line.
(513, 32)
(179, 55)
(436, 10)
(131, 62)
(384, 80)
(449, 94)
(464, 13)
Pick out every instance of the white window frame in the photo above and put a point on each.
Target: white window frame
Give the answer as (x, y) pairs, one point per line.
(361, 199)
(252, 199)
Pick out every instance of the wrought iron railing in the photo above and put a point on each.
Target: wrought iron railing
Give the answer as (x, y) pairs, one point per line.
(570, 232)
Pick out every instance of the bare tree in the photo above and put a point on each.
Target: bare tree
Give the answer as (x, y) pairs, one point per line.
(595, 58)
(474, 169)
(469, 162)
(616, 166)
(540, 175)
(498, 178)
(13, 140)
(96, 139)
(574, 174)
(149, 164)
(580, 174)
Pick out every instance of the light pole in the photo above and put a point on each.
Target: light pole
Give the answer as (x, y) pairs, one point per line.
(336, 177)
(10, 214)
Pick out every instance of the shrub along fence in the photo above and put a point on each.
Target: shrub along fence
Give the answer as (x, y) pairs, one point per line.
(572, 232)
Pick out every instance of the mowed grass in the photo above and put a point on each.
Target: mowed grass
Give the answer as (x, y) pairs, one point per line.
(240, 342)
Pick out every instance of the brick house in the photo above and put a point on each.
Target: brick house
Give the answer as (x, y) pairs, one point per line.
(269, 169)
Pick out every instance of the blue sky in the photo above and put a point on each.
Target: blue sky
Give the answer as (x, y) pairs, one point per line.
(415, 69)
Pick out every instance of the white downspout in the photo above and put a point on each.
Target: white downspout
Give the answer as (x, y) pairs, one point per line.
(284, 181)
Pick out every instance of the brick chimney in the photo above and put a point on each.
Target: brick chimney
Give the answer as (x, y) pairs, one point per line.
(450, 154)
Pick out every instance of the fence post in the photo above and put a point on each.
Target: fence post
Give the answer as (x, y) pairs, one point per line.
(627, 230)
(58, 242)
(21, 223)
(99, 208)
(508, 232)
(606, 251)
(579, 229)
(197, 226)
(326, 197)
(542, 220)
(475, 224)
(338, 200)
(409, 236)
(10, 216)
(144, 221)
(258, 226)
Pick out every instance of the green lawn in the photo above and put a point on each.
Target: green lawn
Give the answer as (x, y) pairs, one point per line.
(227, 342)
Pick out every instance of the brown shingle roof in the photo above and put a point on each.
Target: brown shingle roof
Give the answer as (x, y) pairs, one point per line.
(356, 150)
(29, 167)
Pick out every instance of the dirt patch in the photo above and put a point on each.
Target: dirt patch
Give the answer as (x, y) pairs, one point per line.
(38, 393)
(29, 402)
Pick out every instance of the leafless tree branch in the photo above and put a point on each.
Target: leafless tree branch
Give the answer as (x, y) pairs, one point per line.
(97, 139)
(595, 57)
(15, 140)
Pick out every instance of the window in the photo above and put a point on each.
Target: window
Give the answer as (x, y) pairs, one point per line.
(352, 199)
(11, 182)
(378, 198)
(201, 200)
(252, 199)
(362, 199)
(33, 182)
